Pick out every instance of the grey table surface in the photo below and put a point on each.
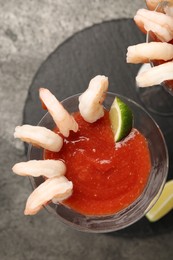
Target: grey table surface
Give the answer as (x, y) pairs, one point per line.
(29, 31)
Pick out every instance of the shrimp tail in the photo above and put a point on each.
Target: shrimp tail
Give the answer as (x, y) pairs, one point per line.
(64, 121)
(90, 102)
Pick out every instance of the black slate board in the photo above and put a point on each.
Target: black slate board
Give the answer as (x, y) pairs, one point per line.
(100, 49)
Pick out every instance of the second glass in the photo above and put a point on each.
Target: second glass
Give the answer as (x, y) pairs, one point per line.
(156, 99)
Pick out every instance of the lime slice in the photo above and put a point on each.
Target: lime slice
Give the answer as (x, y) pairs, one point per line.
(121, 118)
(163, 205)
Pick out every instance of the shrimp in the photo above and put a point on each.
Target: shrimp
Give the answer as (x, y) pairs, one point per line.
(39, 136)
(155, 75)
(143, 52)
(36, 168)
(58, 187)
(64, 121)
(160, 24)
(90, 102)
(154, 4)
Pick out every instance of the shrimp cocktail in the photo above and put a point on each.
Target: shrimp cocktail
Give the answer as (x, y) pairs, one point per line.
(157, 23)
(92, 159)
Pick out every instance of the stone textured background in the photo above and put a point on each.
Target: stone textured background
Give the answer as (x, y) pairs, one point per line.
(29, 31)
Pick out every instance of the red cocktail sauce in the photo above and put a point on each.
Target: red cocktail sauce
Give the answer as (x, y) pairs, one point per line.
(106, 177)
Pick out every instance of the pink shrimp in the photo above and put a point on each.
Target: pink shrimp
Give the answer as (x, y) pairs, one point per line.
(143, 52)
(39, 136)
(58, 187)
(160, 24)
(153, 4)
(64, 121)
(155, 75)
(90, 102)
(36, 168)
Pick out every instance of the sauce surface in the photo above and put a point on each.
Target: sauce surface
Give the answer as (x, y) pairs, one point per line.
(106, 177)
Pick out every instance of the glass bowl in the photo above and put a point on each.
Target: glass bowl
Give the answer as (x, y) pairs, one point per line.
(135, 211)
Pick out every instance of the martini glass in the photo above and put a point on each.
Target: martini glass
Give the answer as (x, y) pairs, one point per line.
(136, 210)
(157, 99)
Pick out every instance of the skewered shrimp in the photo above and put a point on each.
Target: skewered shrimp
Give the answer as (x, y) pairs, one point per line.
(64, 121)
(143, 52)
(57, 187)
(153, 4)
(36, 168)
(155, 75)
(90, 102)
(39, 136)
(161, 6)
(159, 23)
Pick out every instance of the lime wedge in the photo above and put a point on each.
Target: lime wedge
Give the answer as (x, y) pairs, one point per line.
(163, 205)
(121, 118)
